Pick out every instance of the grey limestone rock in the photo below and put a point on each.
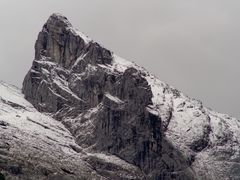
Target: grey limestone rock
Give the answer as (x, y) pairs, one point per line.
(115, 107)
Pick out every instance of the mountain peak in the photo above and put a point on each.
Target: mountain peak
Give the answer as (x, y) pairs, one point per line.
(112, 106)
(60, 43)
(57, 19)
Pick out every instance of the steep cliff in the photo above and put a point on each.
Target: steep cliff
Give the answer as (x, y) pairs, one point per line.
(115, 107)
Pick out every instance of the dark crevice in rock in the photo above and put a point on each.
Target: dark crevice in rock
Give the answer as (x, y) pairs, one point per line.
(12, 104)
(15, 169)
(200, 144)
(67, 171)
(44, 126)
(2, 176)
(167, 122)
(3, 123)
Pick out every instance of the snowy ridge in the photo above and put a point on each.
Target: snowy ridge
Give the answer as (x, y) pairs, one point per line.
(86, 39)
(12, 94)
(189, 117)
(62, 18)
(195, 130)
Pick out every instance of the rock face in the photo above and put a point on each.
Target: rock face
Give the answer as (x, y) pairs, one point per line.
(115, 107)
(35, 146)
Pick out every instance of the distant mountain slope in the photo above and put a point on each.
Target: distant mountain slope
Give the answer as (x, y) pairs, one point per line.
(120, 122)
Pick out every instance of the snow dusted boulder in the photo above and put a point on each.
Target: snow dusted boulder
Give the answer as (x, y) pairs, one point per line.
(115, 107)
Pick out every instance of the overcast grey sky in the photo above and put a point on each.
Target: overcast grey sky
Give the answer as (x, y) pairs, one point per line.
(193, 45)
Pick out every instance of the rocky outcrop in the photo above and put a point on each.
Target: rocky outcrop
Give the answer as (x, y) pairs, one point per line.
(115, 107)
(62, 44)
(36, 146)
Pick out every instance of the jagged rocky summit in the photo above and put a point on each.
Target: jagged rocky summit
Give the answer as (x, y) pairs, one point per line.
(98, 116)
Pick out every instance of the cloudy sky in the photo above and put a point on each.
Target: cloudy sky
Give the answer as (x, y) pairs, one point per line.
(193, 45)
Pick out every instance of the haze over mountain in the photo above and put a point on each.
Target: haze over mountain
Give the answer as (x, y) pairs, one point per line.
(86, 113)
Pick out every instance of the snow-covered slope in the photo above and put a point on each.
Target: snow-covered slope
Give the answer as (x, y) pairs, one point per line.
(209, 139)
(35, 146)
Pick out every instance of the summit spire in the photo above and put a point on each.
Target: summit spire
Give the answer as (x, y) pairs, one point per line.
(59, 42)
